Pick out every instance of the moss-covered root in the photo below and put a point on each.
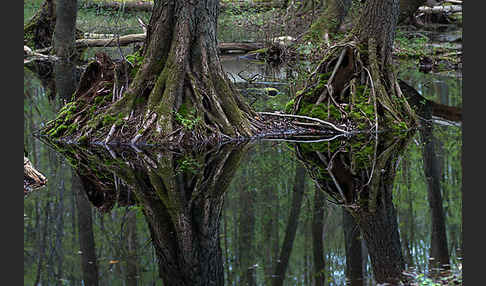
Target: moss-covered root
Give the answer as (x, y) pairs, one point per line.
(349, 88)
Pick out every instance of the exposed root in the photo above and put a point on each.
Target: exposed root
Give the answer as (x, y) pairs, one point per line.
(361, 89)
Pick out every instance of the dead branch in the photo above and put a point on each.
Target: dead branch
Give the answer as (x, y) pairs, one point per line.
(307, 118)
(440, 9)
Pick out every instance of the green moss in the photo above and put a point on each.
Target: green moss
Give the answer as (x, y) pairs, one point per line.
(72, 128)
(58, 131)
(99, 100)
(289, 106)
(320, 111)
(108, 120)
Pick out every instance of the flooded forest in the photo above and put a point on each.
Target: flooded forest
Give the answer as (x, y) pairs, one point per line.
(243, 142)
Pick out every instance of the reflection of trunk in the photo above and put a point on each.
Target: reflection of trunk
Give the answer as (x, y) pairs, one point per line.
(181, 195)
(183, 210)
(438, 250)
(354, 250)
(408, 230)
(317, 243)
(89, 264)
(42, 244)
(380, 231)
(369, 200)
(65, 76)
(246, 231)
(298, 194)
(131, 246)
(227, 252)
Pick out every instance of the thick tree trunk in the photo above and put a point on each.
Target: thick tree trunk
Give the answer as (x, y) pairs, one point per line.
(355, 84)
(65, 29)
(180, 92)
(378, 22)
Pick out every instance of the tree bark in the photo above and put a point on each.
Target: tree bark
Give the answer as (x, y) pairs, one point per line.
(65, 28)
(180, 74)
(360, 67)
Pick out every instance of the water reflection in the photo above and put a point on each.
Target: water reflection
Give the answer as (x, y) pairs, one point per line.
(359, 176)
(180, 194)
(276, 225)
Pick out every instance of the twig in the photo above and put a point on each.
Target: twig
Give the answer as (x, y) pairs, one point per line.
(305, 117)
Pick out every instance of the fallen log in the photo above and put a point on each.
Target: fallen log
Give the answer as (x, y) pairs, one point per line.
(245, 47)
(456, 2)
(111, 42)
(146, 6)
(136, 38)
(30, 56)
(440, 9)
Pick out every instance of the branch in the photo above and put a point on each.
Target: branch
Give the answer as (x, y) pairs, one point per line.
(305, 117)
(440, 9)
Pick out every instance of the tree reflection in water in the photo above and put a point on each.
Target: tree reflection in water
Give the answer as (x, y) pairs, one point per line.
(180, 193)
(359, 176)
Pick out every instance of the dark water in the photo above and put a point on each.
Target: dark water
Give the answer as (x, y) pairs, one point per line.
(249, 209)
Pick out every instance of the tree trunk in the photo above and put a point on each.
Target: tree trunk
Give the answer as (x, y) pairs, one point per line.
(65, 28)
(132, 269)
(179, 93)
(355, 85)
(39, 29)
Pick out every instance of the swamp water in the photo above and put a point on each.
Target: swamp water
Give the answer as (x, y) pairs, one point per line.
(261, 212)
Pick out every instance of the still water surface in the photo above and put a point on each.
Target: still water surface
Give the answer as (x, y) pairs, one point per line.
(263, 212)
